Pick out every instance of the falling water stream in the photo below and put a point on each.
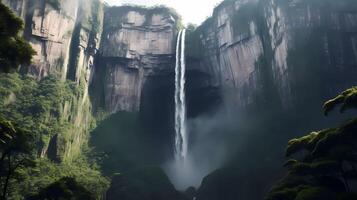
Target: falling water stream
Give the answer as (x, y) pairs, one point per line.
(181, 144)
(184, 170)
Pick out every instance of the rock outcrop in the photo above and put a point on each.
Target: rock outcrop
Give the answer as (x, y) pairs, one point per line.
(137, 43)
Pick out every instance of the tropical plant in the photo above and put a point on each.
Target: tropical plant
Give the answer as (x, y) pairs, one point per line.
(323, 164)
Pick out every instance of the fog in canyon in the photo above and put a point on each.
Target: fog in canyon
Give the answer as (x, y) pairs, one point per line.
(151, 106)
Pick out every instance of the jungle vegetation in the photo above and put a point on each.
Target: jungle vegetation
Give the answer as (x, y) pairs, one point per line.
(31, 113)
(323, 163)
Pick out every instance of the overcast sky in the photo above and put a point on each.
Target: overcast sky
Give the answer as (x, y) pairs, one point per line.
(192, 11)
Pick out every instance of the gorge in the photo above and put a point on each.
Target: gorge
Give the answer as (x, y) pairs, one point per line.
(213, 105)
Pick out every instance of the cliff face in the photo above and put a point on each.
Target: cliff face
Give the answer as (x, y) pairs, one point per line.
(50, 34)
(312, 41)
(251, 47)
(137, 43)
(66, 37)
(274, 62)
(116, 53)
(18, 6)
(249, 52)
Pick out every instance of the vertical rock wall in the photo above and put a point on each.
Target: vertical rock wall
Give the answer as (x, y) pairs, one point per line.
(286, 45)
(115, 52)
(66, 36)
(136, 43)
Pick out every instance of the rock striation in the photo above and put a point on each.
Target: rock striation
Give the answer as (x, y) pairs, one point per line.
(113, 49)
(250, 46)
(137, 43)
(249, 52)
(66, 37)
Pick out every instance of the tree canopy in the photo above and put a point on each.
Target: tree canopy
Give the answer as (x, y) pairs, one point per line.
(323, 163)
(15, 146)
(65, 188)
(14, 49)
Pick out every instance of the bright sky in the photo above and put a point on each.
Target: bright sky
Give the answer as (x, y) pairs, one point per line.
(192, 11)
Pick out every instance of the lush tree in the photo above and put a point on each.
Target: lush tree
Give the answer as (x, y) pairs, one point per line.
(14, 49)
(323, 164)
(15, 147)
(348, 99)
(65, 188)
(38, 106)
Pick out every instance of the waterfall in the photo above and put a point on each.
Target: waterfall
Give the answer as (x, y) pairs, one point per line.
(181, 143)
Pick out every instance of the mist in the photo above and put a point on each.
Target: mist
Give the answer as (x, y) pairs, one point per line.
(209, 148)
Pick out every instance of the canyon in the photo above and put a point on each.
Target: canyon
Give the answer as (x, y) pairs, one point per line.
(251, 57)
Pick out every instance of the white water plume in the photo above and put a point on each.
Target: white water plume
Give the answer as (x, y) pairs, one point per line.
(181, 143)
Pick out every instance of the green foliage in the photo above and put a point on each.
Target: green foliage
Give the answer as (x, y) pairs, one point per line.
(326, 163)
(15, 148)
(45, 172)
(66, 188)
(119, 142)
(49, 113)
(13, 139)
(10, 24)
(14, 50)
(348, 99)
(298, 144)
(46, 107)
